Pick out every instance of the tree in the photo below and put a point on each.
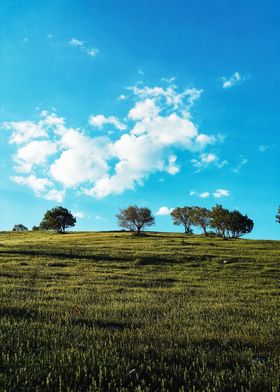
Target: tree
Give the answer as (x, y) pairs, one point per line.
(278, 215)
(230, 223)
(181, 216)
(58, 219)
(219, 220)
(135, 218)
(19, 228)
(238, 224)
(200, 216)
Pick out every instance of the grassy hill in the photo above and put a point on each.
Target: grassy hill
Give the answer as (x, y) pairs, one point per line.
(178, 313)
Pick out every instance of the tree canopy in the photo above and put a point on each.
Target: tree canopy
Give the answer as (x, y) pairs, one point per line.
(135, 218)
(20, 227)
(200, 216)
(58, 219)
(181, 216)
(230, 223)
(278, 215)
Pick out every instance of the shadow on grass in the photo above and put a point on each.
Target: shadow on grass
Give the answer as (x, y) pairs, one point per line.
(143, 260)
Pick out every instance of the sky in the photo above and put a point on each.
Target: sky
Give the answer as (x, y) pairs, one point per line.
(155, 103)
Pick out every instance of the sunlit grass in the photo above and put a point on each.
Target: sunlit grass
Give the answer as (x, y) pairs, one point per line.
(79, 311)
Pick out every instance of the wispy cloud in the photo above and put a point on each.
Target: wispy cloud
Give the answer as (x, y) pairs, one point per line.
(207, 159)
(217, 194)
(92, 52)
(266, 147)
(243, 161)
(76, 42)
(233, 80)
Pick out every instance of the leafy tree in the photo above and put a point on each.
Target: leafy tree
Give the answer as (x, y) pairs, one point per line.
(230, 223)
(20, 227)
(135, 218)
(238, 224)
(181, 216)
(200, 216)
(278, 215)
(219, 220)
(58, 219)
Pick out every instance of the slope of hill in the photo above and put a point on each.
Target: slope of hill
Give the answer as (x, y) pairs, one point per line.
(160, 312)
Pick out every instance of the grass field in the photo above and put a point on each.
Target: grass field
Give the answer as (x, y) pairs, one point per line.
(79, 311)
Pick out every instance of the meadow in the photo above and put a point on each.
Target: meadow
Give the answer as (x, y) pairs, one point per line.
(160, 312)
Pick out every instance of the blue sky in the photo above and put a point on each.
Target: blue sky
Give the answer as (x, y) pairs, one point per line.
(104, 104)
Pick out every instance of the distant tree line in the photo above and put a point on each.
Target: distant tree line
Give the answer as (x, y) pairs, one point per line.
(218, 221)
(225, 223)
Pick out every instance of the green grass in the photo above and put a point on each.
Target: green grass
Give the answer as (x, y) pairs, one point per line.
(79, 311)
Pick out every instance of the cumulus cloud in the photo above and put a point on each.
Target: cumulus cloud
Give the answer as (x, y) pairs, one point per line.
(164, 211)
(82, 159)
(146, 109)
(100, 120)
(221, 193)
(55, 157)
(24, 131)
(40, 186)
(233, 80)
(34, 153)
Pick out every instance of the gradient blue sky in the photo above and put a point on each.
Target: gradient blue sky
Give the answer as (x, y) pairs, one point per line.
(157, 103)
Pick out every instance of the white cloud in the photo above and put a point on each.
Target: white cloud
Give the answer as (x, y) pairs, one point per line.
(38, 185)
(83, 159)
(266, 147)
(172, 168)
(207, 159)
(233, 80)
(100, 120)
(76, 42)
(243, 162)
(54, 195)
(193, 95)
(164, 211)
(204, 160)
(79, 214)
(24, 131)
(56, 156)
(122, 97)
(34, 153)
(218, 193)
(169, 96)
(92, 52)
(221, 193)
(141, 110)
(204, 195)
